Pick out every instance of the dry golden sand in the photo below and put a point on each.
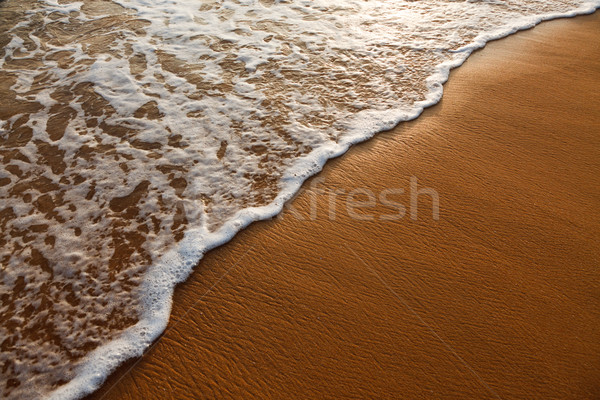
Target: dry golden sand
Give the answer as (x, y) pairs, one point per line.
(499, 298)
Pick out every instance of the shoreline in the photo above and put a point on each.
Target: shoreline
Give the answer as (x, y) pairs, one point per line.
(430, 147)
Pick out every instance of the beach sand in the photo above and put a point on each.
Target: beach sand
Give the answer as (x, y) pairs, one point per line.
(498, 298)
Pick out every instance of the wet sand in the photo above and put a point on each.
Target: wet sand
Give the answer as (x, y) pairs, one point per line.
(498, 298)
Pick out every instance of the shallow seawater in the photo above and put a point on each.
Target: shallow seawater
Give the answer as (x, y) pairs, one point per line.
(137, 134)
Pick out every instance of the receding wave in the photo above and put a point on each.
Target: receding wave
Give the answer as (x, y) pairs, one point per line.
(137, 134)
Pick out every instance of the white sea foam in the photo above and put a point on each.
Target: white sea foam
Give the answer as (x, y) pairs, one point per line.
(248, 99)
